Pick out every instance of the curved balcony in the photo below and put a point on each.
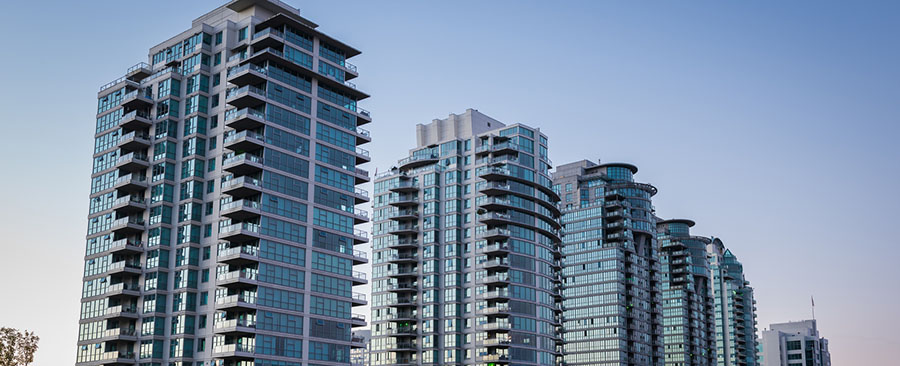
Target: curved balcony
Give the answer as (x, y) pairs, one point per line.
(242, 187)
(244, 141)
(496, 263)
(405, 186)
(495, 218)
(494, 203)
(245, 96)
(503, 342)
(240, 210)
(494, 295)
(413, 162)
(134, 141)
(244, 119)
(496, 248)
(495, 326)
(496, 234)
(497, 279)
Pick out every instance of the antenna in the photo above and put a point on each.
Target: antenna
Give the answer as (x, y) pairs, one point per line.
(813, 302)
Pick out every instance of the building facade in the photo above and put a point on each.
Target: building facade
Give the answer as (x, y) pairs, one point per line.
(689, 332)
(466, 249)
(735, 308)
(794, 344)
(360, 356)
(611, 279)
(222, 207)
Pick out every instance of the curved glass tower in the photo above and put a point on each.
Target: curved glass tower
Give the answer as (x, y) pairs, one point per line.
(610, 266)
(688, 318)
(466, 249)
(222, 205)
(735, 308)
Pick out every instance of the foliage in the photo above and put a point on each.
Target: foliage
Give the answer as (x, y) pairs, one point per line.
(17, 348)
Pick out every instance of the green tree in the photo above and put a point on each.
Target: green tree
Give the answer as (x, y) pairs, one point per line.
(17, 348)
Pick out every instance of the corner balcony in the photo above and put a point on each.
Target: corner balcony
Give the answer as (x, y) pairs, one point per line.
(268, 37)
(135, 120)
(243, 164)
(134, 141)
(364, 116)
(128, 225)
(239, 232)
(129, 204)
(404, 229)
(242, 187)
(244, 141)
(413, 162)
(237, 302)
(246, 74)
(245, 96)
(614, 214)
(244, 119)
(137, 100)
(133, 162)
(242, 255)
(240, 210)
(139, 71)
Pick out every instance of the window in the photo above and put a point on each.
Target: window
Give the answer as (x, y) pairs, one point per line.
(217, 59)
(242, 34)
(218, 38)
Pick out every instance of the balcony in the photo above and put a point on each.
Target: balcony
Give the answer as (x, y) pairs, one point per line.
(496, 248)
(402, 331)
(496, 294)
(494, 203)
(496, 342)
(126, 246)
(402, 346)
(245, 96)
(233, 351)
(239, 232)
(137, 99)
(417, 161)
(357, 320)
(123, 289)
(243, 164)
(120, 311)
(358, 299)
(241, 255)
(117, 358)
(494, 310)
(494, 173)
(129, 204)
(403, 273)
(360, 195)
(497, 279)
(494, 263)
(405, 186)
(120, 334)
(241, 187)
(404, 215)
(133, 162)
(362, 136)
(494, 234)
(404, 244)
(403, 201)
(405, 229)
(240, 210)
(135, 120)
(364, 115)
(236, 302)
(494, 218)
(403, 287)
(246, 74)
(244, 119)
(359, 278)
(133, 267)
(235, 327)
(268, 37)
(237, 279)
(134, 141)
(362, 156)
(128, 225)
(139, 71)
(495, 326)
(403, 258)
(244, 141)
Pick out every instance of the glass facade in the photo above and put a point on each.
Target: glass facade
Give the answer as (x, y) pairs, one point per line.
(466, 253)
(204, 246)
(735, 308)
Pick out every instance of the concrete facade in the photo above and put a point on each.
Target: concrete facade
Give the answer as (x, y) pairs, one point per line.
(611, 279)
(466, 249)
(222, 206)
(794, 344)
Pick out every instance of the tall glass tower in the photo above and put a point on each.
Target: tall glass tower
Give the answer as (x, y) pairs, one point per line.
(735, 308)
(612, 313)
(223, 199)
(466, 249)
(688, 317)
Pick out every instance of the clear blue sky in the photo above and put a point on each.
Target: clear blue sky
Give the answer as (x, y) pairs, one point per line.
(772, 124)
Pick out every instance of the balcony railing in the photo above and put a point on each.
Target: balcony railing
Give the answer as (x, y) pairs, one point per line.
(235, 113)
(244, 89)
(242, 68)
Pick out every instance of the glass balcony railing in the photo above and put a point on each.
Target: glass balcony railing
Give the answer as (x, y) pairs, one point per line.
(242, 68)
(237, 113)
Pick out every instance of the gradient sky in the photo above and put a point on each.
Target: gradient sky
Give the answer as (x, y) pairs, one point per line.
(772, 124)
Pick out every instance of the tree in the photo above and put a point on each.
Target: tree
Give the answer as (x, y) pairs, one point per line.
(17, 348)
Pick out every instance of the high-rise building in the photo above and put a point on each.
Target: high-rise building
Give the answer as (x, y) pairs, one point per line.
(612, 312)
(735, 308)
(466, 249)
(360, 356)
(794, 344)
(222, 205)
(689, 332)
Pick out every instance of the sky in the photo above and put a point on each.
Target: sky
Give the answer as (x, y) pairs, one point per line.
(773, 125)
